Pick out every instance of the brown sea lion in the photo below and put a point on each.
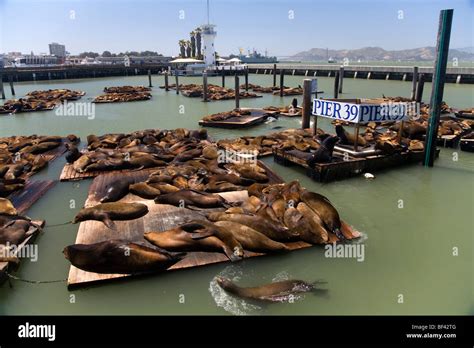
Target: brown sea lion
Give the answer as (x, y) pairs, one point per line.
(192, 198)
(269, 228)
(250, 171)
(347, 138)
(14, 232)
(256, 190)
(297, 222)
(326, 211)
(106, 212)
(282, 291)
(204, 228)
(177, 239)
(81, 163)
(317, 226)
(119, 256)
(163, 187)
(39, 148)
(144, 190)
(250, 239)
(6, 207)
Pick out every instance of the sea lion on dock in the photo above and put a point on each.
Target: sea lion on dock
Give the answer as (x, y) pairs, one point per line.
(203, 228)
(114, 190)
(324, 153)
(7, 208)
(250, 171)
(251, 239)
(317, 230)
(326, 211)
(256, 190)
(192, 198)
(119, 256)
(72, 154)
(106, 212)
(269, 228)
(142, 189)
(282, 291)
(347, 138)
(14, 232)
(81, 163)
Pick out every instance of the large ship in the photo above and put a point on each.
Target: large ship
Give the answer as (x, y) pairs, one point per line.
(254, 57)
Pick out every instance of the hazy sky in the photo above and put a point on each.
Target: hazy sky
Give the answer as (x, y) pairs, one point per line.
(120, 25)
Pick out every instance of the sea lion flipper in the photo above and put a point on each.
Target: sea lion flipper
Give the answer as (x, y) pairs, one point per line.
(202, 234)
(107, 221)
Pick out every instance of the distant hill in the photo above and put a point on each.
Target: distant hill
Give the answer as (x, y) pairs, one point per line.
(379, 54)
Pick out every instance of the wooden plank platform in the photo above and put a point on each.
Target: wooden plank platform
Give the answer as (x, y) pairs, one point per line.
(160, 218)
(23, 199)
(352, 166)
(257, 116)
(6, 266)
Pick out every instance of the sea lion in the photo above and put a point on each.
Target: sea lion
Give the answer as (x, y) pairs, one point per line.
(347, 138)
(142, 189)
(14, 232)
(192, 198)
(163, 187)
(203, 229)
(81, 163)
(271, 229)
(232, 178)
(114, 190)
(256, 190)
(326, 211)
(73, 153)
(177, 239)
(119, 256)
(39, 148)
(317, 227)
(7, 208)
(250, 239)
(282, 291)
(250, 171)
(324, 153)
(106, 212)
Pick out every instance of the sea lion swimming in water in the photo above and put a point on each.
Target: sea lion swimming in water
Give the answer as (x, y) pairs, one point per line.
(281, 291)
(119, 256)
(324, 153)
(106, 212)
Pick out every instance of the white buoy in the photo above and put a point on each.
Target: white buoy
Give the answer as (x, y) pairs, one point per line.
(369, 176)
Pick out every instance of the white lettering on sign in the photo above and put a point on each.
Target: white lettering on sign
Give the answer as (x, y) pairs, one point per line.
(364, 113)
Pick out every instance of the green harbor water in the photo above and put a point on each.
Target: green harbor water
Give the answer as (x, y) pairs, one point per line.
(408, 250)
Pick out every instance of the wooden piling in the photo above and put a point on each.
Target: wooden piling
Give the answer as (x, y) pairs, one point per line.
(167, 88)
(177, 83)
(419, 88)
(341, 78)
(356, 142)
(315, 122)
(336, 85)
(149, 79)
(204, 86)
(306, 113)
(2, 91)
(274, 75)
(246, 79)
(223, 77)
(414, 81)
(282, 81)
(12, 88)
(237, 92)
(439, 77)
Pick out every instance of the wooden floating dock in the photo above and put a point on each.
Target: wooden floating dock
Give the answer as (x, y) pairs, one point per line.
(343, 169)
(161, 217)
(23, 199)
(256, 117)
(6, 266)
(69, 174)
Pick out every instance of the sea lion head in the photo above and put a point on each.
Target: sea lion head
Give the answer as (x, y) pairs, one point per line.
(329, 142)
(225, 283)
